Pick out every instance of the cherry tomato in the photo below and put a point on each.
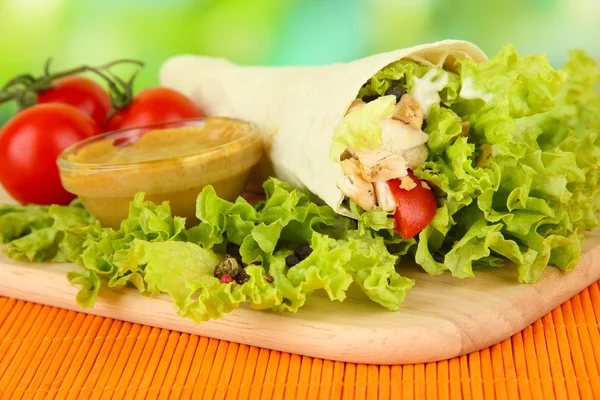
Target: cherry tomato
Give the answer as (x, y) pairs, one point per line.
(30, 144)
(82, 93)
(415, 208)
(154, 105)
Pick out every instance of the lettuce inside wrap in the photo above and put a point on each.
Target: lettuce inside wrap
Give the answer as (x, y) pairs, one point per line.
(512, 156)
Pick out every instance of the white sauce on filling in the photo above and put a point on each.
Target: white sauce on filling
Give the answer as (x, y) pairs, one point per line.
(426, 90)
(468, 92)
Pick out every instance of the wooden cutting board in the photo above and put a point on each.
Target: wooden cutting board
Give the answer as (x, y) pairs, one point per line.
(442, 317)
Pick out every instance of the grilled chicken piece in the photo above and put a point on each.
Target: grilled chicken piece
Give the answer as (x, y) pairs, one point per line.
(355, 186)
(415, 156)
(385, 200)
(381, 165)
(409, 112)
(407, 183)
(398, 137)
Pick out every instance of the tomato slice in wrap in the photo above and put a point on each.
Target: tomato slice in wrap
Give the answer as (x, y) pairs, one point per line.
(415, 208)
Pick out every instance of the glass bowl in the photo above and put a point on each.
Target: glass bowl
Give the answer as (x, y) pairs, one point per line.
(170, 161)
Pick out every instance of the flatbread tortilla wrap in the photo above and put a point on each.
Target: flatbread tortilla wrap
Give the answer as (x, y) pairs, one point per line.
(471, 161)
(298, 109)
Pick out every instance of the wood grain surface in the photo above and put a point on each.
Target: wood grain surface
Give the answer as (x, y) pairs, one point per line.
(442, 317)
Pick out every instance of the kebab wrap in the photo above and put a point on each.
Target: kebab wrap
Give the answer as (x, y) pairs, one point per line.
(300, 110)
(505, 144)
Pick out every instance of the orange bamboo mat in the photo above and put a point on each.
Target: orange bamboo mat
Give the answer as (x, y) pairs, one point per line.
(47, 352)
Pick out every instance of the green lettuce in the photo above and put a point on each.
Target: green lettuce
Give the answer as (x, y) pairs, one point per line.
(17, 221)
(109, 256)
(360, 129)
(402, 74)
(287, 214)
(522, 185)
(40, 233)
(154, 252)
(185, 271)
(513, 159)
(577, 104)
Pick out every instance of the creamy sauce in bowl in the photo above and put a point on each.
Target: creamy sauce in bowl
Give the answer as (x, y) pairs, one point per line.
(171, 162)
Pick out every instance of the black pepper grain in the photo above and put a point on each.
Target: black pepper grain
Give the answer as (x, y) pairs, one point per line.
(303, 251)
(396, 91)
(291, 260)
(368, 99)
(242, 277)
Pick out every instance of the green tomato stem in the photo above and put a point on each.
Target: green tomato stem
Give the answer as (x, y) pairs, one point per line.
(22, 87)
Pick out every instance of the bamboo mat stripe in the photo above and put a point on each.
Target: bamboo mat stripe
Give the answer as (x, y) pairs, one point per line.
(46, 352)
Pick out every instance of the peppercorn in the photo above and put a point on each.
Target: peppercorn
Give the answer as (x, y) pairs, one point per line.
(229, 266)
(396, 91)
(269, 278)
(368, 99)
(242, 277)
(291, 260)
(226, 278)
(303, 251)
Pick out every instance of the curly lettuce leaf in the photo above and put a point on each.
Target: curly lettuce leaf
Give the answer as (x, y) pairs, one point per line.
(107, 257)
(443, 127)
(334, 265)
(185, 271)
(54, 233)
(404, 74)
(522, 186)
(527, 84)
(19, 221)
(577, 104)
(287, 214)
(153, 252)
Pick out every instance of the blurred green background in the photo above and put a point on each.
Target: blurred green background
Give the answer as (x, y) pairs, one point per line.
(277, 32)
